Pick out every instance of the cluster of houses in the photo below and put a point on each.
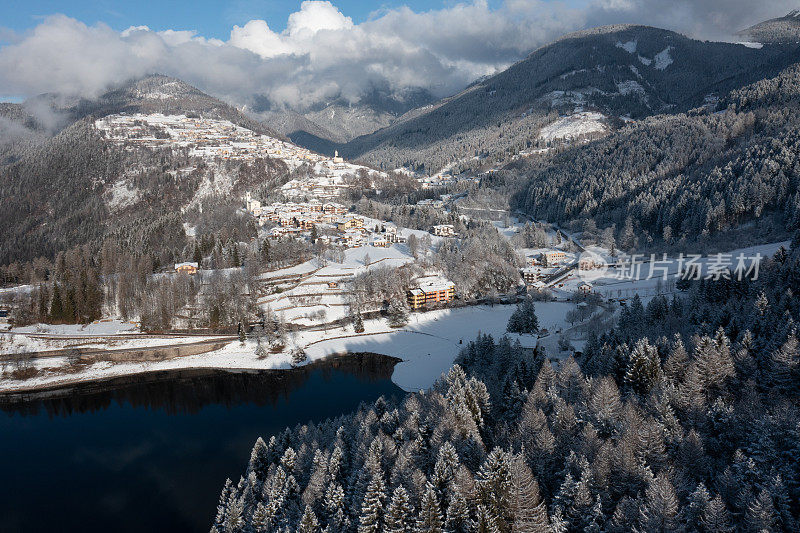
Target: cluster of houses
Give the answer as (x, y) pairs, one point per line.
(431, 182)
(430, 202)
(443, 180)
(204, 137)
(299, 219)
(213, 139)
(546, 263)
(327, 181)
(549, 259)
(532, 273)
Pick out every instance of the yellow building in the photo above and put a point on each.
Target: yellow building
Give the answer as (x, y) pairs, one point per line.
(188, 268)
(439, 291)
(350, 223)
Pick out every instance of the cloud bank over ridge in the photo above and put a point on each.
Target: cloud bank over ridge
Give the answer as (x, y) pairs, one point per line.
(322, 54)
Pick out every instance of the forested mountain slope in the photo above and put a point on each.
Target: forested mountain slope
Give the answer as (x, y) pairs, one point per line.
(631, 71)
(679, 176)
(77, 187)
(18, 128)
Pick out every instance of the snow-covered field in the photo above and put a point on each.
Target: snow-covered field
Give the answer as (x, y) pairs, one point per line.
(311, 295)
(102, 327)
(431, 341)
(427, 345)
(574, 126)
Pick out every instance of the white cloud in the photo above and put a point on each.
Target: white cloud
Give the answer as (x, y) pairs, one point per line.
(323, 54)
(314, 16)
(257, 37)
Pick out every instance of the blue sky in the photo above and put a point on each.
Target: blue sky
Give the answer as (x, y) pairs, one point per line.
(211, 18)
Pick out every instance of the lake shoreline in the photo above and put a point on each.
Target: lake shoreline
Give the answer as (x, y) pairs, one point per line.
(87, 384)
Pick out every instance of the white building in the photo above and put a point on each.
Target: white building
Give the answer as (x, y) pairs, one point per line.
(553, 257)
(444, 230)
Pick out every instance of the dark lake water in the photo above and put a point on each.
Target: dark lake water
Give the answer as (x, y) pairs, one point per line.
(153, 455)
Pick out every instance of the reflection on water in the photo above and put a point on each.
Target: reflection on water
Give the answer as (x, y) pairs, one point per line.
(152, 453)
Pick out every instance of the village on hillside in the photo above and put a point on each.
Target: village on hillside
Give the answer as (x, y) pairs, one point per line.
(354, 280)
(205, 137)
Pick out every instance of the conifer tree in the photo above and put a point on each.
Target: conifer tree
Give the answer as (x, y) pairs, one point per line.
(234, 519)
(57, 306)
(785, 366)
(259, 459)
(675, 366)
(358, 323)
(430, 515)
(400, 512)
(524, 319)
(444, 472)
(372, 516)
(334, 501)
(595, 522)
(716, 518)
(458, 518)
(605, 405)
(557, 522)
(308, 523)
(760, 514)
(289, 460)
(644, 367)
(262, 518)
(529, 512)
(698, 503)
(486, 522)
(260, 353)
(494, 485)
(398, 313)
(660, 511)
(219, 520)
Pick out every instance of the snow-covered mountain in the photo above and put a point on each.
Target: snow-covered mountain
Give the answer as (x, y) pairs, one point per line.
(784, 29)
(338, 120)
(621, 71)
(136, 163)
